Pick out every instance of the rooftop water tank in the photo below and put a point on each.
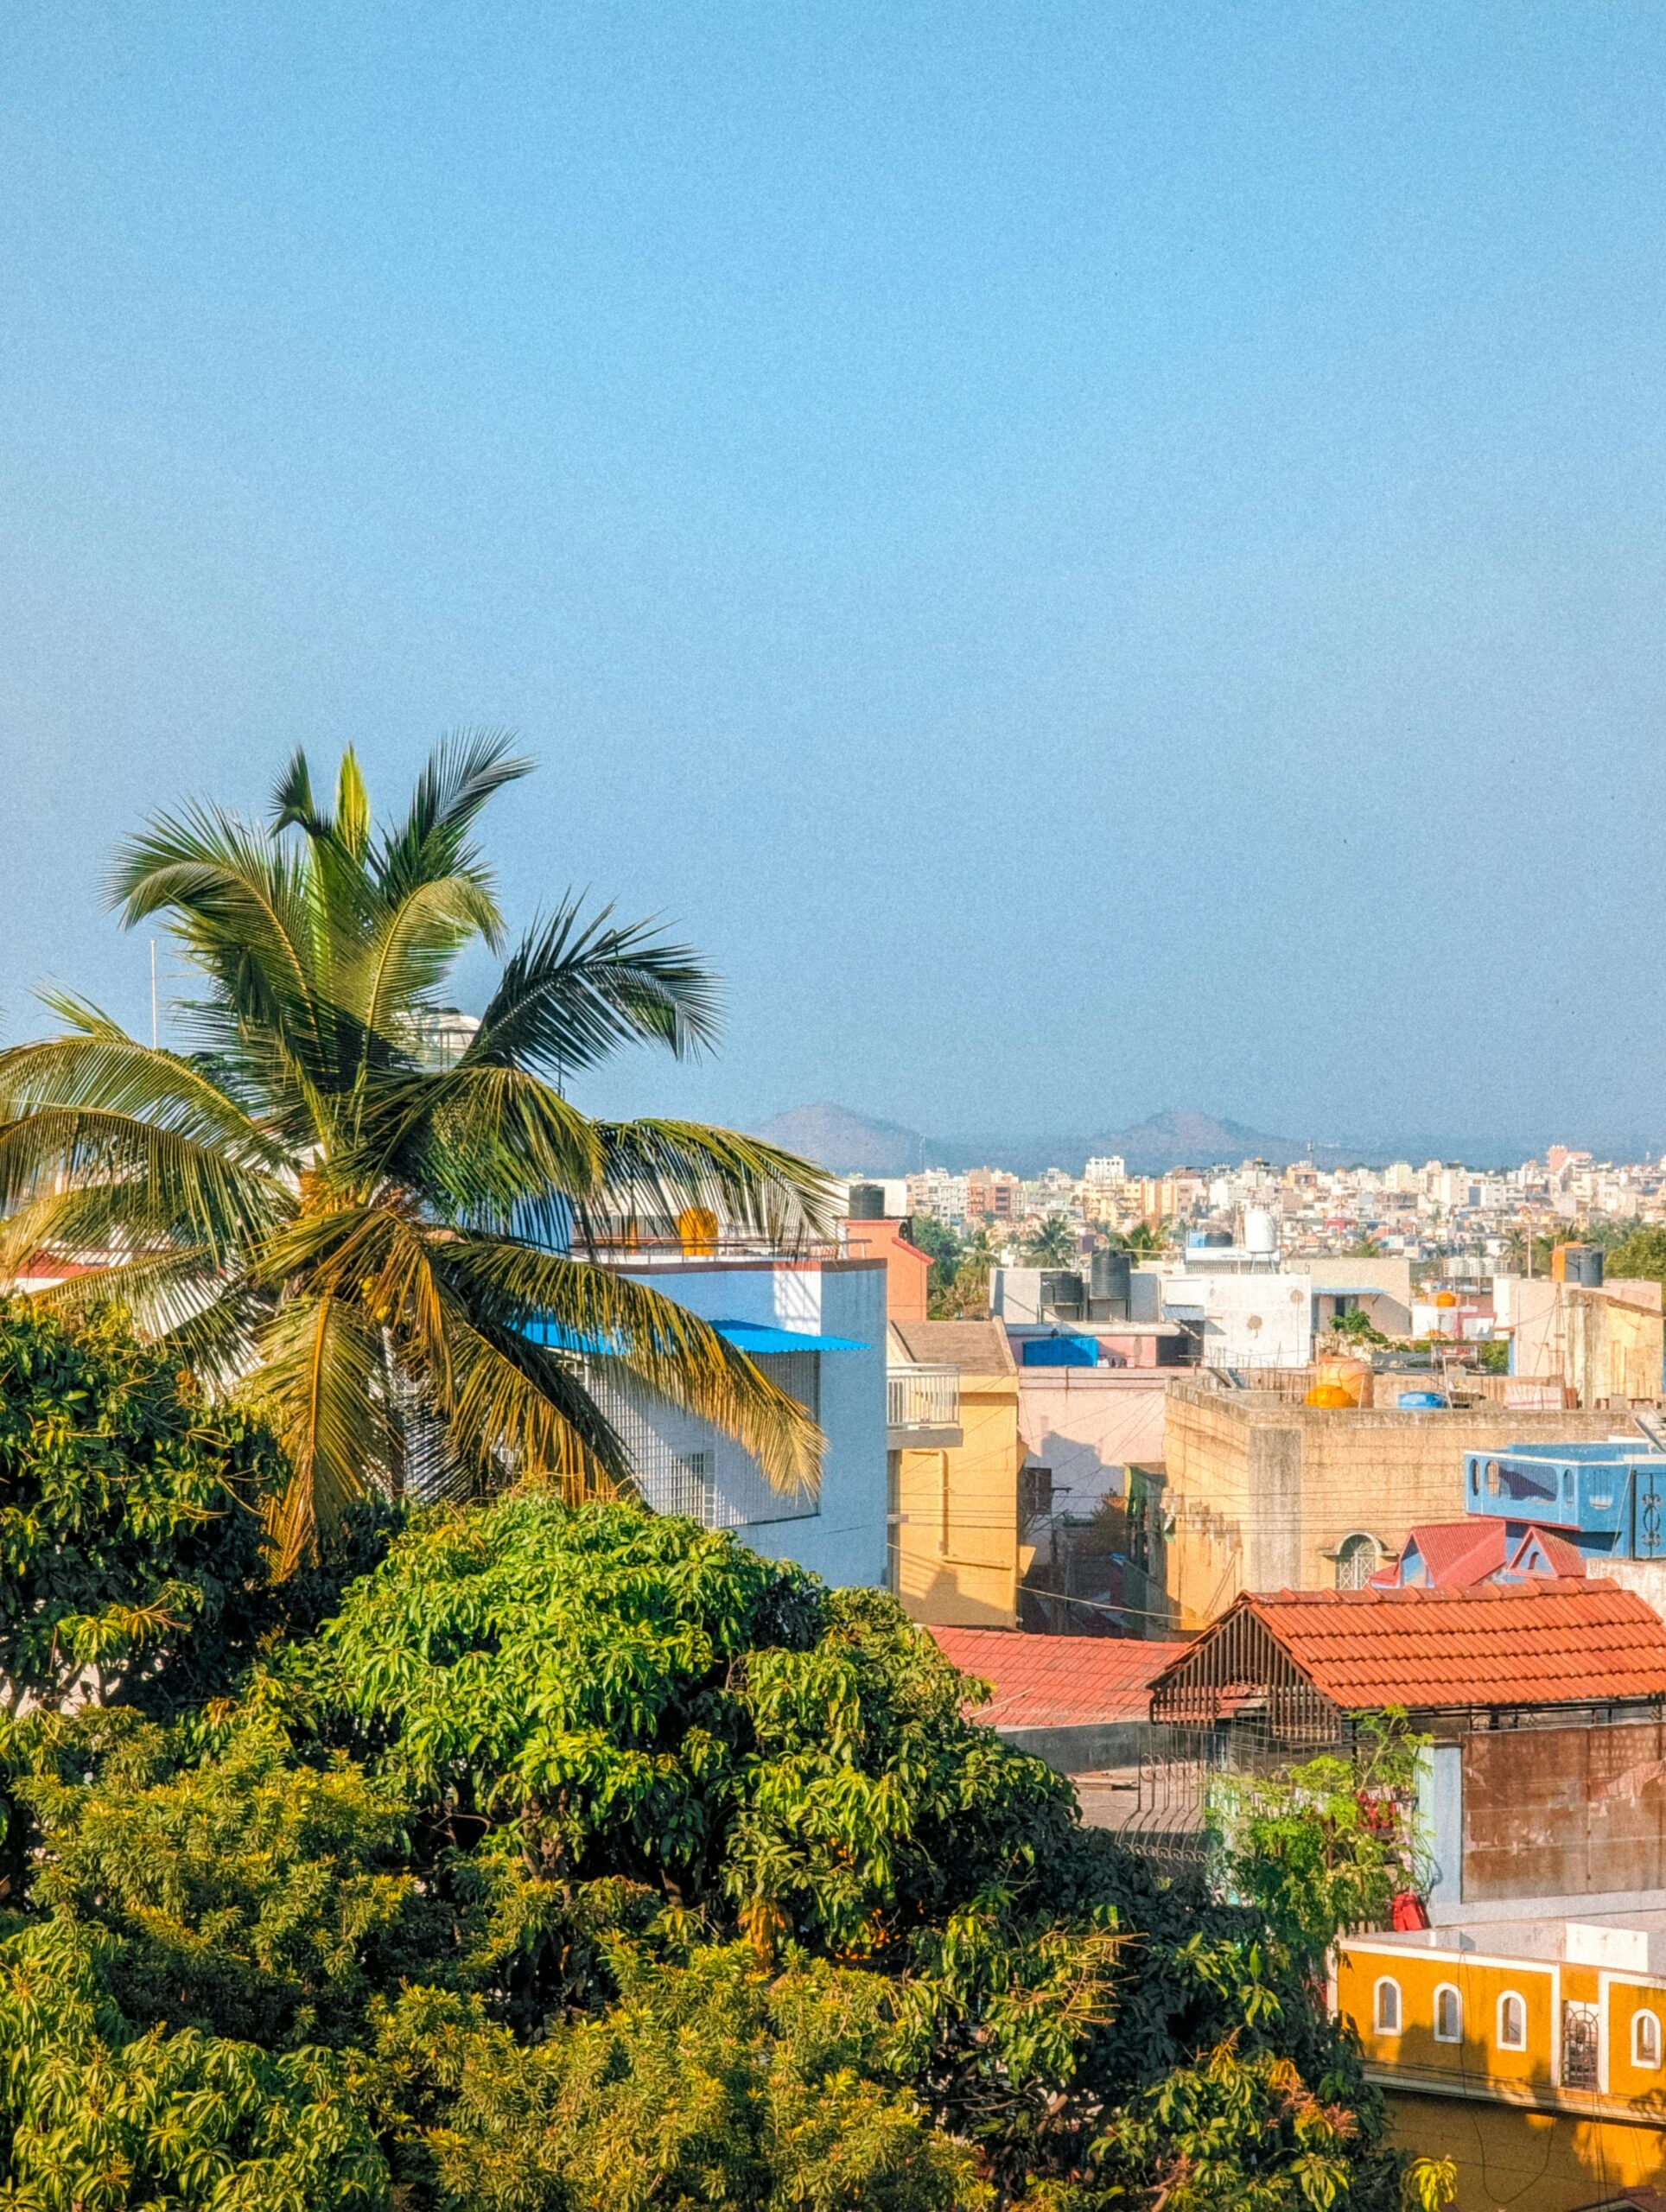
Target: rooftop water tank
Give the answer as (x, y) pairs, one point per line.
(1580, 1264)
(1110, 1276)
(1260, 1231)
(867, 1202)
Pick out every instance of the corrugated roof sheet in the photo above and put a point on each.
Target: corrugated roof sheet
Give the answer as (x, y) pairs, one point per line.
(1540, 1643)
(1056, 1681)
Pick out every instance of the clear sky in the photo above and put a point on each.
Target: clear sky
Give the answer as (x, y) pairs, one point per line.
(1094, 557)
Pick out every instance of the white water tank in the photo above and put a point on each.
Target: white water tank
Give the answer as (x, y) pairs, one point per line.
(1260, 1231)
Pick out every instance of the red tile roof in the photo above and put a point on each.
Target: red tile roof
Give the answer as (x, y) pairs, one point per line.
(1056, 1681)
(1457, 1554)
(1537, 1643)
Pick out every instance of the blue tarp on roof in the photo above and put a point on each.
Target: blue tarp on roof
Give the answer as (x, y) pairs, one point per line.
(755, 1338)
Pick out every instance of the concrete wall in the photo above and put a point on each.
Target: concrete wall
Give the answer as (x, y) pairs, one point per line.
(1088, 1425)
(1386, 1274)
(844, 1541)
(1262, 1492)
(956, 1541)
(1247, 1320)
(1579, 1811)
(1603, 1344)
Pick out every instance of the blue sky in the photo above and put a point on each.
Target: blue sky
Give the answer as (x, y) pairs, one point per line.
(1093, 557)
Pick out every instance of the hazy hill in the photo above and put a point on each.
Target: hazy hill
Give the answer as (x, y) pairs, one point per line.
(1181, 1137)
(839, 1139)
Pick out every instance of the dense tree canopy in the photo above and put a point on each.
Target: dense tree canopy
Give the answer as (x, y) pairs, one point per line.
(585, 1859)
(130, 1518)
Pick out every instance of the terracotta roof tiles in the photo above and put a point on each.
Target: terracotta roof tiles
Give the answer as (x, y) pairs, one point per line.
(1056, 1681)
(1538, 1642)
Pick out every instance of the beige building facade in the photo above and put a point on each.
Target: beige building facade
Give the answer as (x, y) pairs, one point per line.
(1263, 1493)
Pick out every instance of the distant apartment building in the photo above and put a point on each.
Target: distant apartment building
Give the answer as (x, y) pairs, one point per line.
(936, 1192)
(1106, 1172)
(992, 1193)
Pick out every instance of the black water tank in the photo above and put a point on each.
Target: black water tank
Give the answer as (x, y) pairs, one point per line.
(867, 1202)
(1110, 1275)
(1582, 1264)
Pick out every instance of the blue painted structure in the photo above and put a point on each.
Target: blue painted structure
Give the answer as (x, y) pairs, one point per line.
(1606, 1498)
(1060, 1351)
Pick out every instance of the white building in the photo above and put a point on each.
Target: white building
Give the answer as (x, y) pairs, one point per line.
(818, 1327)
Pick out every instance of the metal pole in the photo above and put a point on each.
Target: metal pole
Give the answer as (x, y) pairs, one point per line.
(154, 1038)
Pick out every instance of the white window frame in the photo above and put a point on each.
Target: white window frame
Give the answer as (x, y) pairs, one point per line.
(1648, 2065)
(1449, 1989)
(1508, 2042)
(1379, 2026)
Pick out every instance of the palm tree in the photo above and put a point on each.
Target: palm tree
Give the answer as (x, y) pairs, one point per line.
(1053, 1245)
(304, 1204)
(1146, 1240)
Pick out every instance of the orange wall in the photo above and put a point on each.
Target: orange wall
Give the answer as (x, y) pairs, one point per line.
(905, 1267)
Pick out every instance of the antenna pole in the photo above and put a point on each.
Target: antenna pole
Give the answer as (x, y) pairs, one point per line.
(154, 1036)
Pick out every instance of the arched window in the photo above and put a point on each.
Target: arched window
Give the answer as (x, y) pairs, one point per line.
(1448, 2014)
(1356, 1560)
(1646, 2039)
(1512, 2022)
(1385, 2007)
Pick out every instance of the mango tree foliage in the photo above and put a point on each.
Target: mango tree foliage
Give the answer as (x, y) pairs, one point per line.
(130, 1519)
(99, 2115)
(594, 1861)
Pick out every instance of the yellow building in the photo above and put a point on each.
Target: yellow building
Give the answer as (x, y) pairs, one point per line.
(1530, 2052)
(954, 1460)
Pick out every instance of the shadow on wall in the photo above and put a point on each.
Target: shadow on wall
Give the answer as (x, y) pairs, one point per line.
(1102, 1572)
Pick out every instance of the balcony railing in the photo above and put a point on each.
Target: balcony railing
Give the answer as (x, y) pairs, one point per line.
(921, 1396)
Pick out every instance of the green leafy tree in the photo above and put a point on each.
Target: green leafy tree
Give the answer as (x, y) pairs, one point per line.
(131, 1531)
(1356, 1327)
(1322, 1848)
(302, 1197)
(967, 1294)
(1147, 1240)
(585, 1858)
(99, 2113)
(937, 1239)
(719, 2083)
(1053, 1245)
(1643, 1255)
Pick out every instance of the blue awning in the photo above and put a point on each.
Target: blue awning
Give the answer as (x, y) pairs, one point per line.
(756, 1336)
(753, 1337)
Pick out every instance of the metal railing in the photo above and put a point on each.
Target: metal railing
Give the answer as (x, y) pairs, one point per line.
(918, 1395)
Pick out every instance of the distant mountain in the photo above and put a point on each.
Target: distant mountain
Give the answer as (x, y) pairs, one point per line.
(1181, 1137)
(1178, 1137)
(837, 1138)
